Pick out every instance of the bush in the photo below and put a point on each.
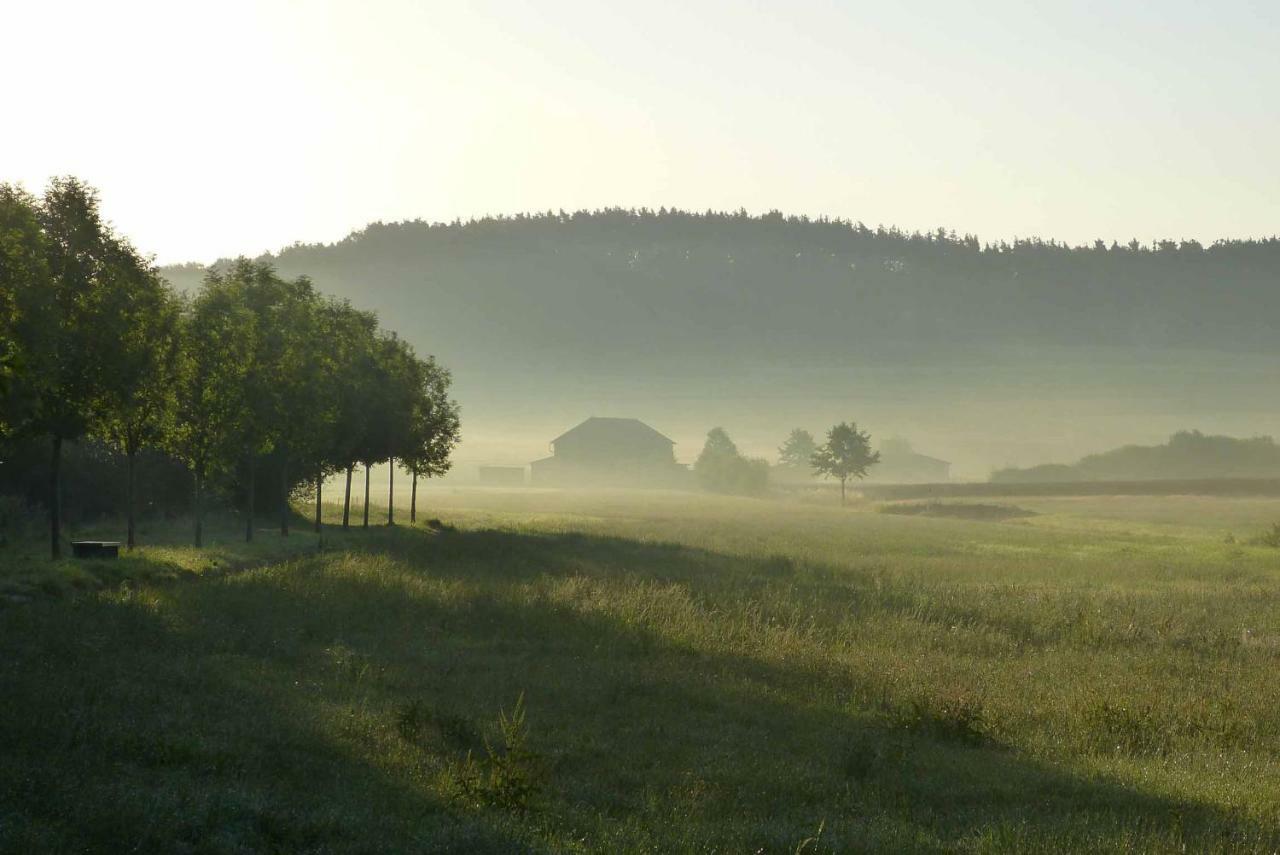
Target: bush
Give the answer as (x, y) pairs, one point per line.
(506, 778)
(1270, 538)
(720, 468)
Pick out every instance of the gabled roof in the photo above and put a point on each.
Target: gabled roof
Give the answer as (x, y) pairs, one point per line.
(619, 430)
(912, 457)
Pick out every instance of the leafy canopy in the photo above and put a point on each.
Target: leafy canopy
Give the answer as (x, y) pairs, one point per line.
(846, 453)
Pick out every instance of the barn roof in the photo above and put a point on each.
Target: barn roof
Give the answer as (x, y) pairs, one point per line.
(615, 430)
(912, 456)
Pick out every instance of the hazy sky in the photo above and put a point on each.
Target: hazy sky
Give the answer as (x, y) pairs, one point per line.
(230, 127)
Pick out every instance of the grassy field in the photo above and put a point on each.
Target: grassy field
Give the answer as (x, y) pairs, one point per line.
(648, 672)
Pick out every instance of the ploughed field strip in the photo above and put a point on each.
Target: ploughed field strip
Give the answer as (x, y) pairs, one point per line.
(653, 672)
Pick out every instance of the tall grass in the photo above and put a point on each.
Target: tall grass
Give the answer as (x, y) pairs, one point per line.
(694, 674)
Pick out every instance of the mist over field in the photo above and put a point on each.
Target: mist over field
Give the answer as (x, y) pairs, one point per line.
(590, 426)
(985, 355)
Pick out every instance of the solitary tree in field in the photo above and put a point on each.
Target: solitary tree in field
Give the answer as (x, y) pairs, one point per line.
(797, 452)
(846, 454)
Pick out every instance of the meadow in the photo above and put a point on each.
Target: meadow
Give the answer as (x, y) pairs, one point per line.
(655, 672)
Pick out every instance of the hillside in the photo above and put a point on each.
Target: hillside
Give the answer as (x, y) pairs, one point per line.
(686, 673)
(786, 286)
(1187, 455)
(549, 318)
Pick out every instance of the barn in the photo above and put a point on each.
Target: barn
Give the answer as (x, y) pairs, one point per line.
(612, 452)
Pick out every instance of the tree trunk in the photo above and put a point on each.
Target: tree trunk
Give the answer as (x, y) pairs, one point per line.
(131, 493)
(346, 501)
(251, 486)
(199, 510)
(366, 495)
(842, 480)
(413, 500)
(319, 488)
(284, 497)
(55, 500)
(391, 491)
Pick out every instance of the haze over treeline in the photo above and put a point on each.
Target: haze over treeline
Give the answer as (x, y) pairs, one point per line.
(704, 318)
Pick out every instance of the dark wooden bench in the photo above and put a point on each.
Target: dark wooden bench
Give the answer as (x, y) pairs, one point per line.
(95, 548)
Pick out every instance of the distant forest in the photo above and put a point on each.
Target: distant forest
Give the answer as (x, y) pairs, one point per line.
(628, 286)
(1187, 455)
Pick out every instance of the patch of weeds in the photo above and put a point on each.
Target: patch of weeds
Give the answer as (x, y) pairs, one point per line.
(867, 756)
(777, 565)
(813, 841)
(957, 716)
(352, 664)
(1156, 729)
(52, 587)
(1120, 729)
(506, 778)
(416, 720)
(1269, 538)
(437, 525)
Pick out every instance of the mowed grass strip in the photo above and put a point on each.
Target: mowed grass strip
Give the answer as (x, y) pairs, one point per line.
(650, 672)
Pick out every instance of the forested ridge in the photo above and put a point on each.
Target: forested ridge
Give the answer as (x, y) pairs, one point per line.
(722, 285)
(1187, 455)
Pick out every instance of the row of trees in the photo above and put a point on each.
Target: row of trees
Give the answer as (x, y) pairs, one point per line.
(251, 368)
(846, 454)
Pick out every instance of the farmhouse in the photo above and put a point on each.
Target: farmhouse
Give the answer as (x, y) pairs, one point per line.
(610, 452)
(899, 466)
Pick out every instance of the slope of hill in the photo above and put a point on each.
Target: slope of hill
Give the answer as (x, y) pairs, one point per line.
(1187, 454)
(550, 318)
(784, 286)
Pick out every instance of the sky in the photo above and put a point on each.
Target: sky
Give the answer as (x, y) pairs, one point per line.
(218, 129)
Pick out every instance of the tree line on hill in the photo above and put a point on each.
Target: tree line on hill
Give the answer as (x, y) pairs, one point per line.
(1188, 455)
(709, 289)
(250, 372)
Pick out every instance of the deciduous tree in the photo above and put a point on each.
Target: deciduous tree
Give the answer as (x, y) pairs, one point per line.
(846, 454)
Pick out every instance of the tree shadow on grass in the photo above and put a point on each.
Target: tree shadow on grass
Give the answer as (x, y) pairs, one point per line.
(266, 711)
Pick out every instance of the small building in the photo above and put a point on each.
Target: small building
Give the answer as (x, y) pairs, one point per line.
(502, 476)
(610, 452)
(898, 466)
(900, 463)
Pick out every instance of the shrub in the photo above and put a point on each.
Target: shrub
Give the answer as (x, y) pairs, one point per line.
(416, 719)
(1270, 538)
(507, 777)
(720, 468)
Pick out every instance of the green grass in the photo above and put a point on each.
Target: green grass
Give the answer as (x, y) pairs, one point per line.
(692, 674)
(163, 555)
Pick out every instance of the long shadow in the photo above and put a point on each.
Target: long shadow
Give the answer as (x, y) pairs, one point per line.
(263, 712)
